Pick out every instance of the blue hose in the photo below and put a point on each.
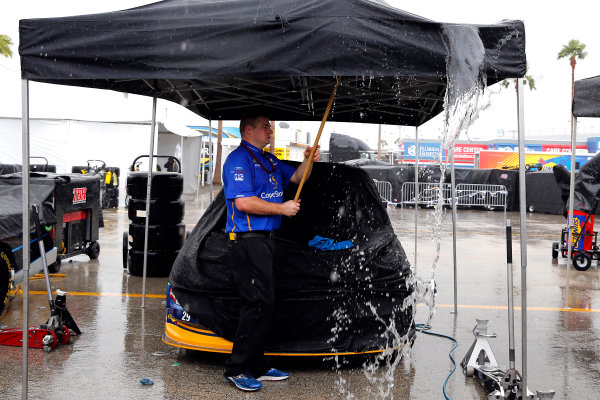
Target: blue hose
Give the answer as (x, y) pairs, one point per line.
(424, 329)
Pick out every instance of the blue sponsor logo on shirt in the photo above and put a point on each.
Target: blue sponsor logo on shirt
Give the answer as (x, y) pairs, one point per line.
(271, 195)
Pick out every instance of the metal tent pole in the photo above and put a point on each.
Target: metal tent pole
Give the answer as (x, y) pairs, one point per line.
(453, 194)
(148, 191)
(26, 230)
(210, 157)
(511, 307)
(570, 216)
(523, 228)
(416, 190)
(202, 158)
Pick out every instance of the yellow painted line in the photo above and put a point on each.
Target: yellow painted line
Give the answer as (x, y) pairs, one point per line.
(98, 294)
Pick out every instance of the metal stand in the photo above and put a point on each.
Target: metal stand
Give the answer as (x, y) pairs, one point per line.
(500, 384)
(481, 362)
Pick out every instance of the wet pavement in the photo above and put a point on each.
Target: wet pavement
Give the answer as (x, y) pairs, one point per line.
(121, 343)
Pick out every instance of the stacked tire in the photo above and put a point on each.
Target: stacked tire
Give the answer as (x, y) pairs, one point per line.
(166, 231)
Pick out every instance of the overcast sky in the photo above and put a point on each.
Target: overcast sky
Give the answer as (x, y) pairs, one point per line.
(548, 25)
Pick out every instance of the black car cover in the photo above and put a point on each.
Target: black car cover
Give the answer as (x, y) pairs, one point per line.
(341, 301)
(11, 203)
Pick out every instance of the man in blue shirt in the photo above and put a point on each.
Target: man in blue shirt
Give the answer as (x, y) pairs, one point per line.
(254, 182)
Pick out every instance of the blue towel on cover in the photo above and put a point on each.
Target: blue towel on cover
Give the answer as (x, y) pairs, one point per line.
(321, 243)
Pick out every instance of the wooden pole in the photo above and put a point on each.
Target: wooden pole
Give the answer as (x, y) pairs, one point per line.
(272, 141)
(314, 148)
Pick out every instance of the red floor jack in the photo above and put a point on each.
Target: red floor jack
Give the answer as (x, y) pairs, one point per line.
(60, 324)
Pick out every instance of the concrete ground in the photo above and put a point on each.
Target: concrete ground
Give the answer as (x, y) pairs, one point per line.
(121, 342)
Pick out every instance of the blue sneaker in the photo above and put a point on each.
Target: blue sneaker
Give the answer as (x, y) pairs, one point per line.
(274, 375)
(245, 382)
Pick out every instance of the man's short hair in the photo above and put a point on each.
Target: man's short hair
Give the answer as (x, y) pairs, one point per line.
(250, 119)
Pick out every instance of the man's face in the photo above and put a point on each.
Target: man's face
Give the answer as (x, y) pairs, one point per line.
(260, 135)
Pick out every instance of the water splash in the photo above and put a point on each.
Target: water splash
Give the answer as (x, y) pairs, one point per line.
(465, 98)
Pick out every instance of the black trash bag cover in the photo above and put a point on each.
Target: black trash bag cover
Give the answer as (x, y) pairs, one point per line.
(326, 301)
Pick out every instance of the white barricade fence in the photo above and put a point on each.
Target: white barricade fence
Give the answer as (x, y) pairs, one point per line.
(428, 193)
(489, 196)
(467, 195)
(384, 189)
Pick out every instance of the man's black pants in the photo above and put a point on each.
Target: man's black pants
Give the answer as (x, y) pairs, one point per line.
(251, 261)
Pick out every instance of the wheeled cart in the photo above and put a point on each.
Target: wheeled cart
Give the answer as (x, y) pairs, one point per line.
(584, 242)
(69, 213)
(77, 207)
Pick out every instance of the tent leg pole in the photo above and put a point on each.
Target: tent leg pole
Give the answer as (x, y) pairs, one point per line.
(453, 194)
(148, 191)
(202, 158)
(210, 158)
(570, 216)
(26, 224)
(523, 228)
(416, 190)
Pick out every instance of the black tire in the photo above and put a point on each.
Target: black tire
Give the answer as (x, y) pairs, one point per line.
(531, 208)
(160, 237)
(527, 167)
(165, 185)
(6, 265)
(105, 202)
(93, 250)
(159, 262)
(125, 248)
(582, 261)
(54, 268)
(554, 250)
(161, 211)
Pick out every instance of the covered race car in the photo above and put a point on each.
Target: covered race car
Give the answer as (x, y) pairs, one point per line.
(354, 300)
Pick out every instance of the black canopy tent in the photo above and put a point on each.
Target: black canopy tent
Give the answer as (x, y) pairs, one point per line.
(219, 59)
(586, 100)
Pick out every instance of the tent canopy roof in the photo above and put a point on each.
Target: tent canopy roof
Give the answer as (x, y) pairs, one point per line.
(586, 102)
(223, 58)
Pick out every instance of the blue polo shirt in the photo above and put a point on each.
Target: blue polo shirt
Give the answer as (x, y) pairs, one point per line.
(243, 176)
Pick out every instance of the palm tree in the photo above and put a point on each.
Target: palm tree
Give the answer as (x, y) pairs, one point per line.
(528, 79)
(573, 50)
(5, 43)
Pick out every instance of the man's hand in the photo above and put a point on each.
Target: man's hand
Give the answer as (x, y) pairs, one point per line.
(316, 156)
(290, 208)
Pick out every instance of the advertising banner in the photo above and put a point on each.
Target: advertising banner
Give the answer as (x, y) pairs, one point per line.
(427, 151)
(513, 146)
(561, 148)
(538, 161)
(465, 152)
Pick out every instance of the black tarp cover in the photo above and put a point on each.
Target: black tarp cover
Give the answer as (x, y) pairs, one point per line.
(343, 147)
(586, 102)
(11, 203)
(587, 185)
(219, 58)
(322, 297)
